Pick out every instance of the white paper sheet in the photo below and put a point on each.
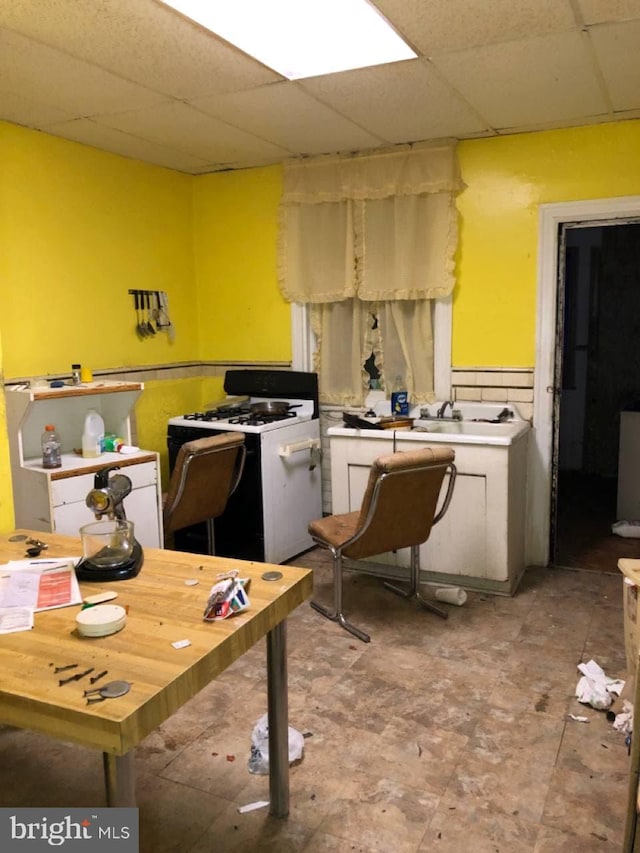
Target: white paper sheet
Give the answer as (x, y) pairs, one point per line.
(15, 619)
(39, 584)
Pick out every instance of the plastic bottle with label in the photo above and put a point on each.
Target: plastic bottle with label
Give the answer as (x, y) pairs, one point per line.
(112, 443)
(399, 398)
(51, 449)
(93, 434)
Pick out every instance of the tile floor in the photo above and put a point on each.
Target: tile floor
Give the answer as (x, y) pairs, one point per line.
(437, 736)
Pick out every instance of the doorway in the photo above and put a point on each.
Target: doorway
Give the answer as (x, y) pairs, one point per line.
(597, 383)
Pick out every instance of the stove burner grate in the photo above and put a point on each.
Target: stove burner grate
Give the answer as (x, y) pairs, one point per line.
(242, 417)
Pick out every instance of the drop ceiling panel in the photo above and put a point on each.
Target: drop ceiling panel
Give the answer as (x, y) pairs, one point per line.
(617, 48)
(540, 80)
(88, 132)
(46, 75)
(21, 110)
(286, 115)
(161, 88)
(186, 129)
(141, 40)
(455, 24)
(601, 11)
(403, 102)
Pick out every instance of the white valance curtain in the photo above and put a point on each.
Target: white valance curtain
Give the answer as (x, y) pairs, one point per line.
(359, 234)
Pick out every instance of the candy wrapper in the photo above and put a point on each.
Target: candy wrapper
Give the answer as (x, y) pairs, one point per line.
(228, 596)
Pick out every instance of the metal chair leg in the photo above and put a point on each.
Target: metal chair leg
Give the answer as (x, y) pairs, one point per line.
(337, 615)
(414, 586)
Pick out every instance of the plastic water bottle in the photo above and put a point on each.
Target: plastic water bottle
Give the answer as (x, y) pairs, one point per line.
(399, 398)
(93, 435)
(51, 452)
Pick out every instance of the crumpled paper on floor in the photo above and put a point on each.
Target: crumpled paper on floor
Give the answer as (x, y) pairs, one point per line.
(595, 688)
(624, 720)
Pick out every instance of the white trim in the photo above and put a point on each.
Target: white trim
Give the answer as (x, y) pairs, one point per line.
(442, 334)
(302, 338)
(551, 216)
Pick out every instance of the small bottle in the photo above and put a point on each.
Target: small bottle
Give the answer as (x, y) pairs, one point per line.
(51, 452)
(93, 435)
(112, 443)
(399, 398)
(75, 373)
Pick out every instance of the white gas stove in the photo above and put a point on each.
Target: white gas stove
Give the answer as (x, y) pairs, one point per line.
(280, 490)
(245, 415)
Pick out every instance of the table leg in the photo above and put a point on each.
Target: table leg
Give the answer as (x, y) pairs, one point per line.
(120, 779)
(278, 710)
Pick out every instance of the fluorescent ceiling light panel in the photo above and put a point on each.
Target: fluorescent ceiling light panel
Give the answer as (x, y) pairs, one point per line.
(301, 38)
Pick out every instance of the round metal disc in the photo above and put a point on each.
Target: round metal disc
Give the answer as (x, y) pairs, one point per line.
(19, 537)
(271, 576)
(114, 689)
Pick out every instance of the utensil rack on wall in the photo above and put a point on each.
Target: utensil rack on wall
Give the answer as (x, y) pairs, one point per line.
(152, 313)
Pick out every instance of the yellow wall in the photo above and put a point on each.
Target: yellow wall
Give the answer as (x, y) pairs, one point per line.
(78, 228)
(6, 496)
(241, 315)
(164, 399)
(494, 308)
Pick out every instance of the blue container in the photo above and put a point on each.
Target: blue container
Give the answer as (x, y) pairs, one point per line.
(399, 403)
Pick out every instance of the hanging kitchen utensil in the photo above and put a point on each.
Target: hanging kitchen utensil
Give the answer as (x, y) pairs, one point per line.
(164, 310)
(140, 327)
(163, 320)
(155, 308)
(147, 301)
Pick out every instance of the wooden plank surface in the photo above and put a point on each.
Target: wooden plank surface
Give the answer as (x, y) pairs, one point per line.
(161, 610)
(85, 390)
(97, 464)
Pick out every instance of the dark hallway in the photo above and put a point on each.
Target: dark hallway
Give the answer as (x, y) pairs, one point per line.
(600, 381)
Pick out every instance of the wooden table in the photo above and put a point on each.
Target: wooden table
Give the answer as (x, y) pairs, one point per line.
(161, 610)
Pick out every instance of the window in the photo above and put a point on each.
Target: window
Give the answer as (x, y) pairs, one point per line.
(372, 236)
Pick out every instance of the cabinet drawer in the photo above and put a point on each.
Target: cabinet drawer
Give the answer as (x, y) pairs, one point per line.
(75, 489)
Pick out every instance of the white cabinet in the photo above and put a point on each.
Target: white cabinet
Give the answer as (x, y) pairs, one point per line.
(480, 541)
(53, 500)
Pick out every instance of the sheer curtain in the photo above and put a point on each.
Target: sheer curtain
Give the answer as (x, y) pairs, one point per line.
(367, 241)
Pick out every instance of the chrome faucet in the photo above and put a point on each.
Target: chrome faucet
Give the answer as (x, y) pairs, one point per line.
(456, 414)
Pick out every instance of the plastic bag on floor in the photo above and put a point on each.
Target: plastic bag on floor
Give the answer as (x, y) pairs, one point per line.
(595, 687)
(629, 529)
(259, 758)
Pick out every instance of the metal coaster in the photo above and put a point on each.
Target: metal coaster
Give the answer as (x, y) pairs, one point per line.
(19, 537)
(114, 689)
(271, 576)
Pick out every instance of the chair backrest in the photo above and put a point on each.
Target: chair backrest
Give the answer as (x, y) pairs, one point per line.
(206, 474)
(400, 504)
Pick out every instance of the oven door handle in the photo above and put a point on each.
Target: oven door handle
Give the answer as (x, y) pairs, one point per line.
(286, 450)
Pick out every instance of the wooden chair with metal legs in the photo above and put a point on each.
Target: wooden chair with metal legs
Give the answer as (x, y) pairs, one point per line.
(399, 508)
(206, 474)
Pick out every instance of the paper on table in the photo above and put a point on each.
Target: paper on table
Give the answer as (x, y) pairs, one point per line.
(15, 619)
(40, 585)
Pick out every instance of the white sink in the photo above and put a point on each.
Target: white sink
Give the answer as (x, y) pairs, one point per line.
(467, 432)
(472, 429)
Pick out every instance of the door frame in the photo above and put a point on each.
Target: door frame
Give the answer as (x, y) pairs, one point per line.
(550, 218)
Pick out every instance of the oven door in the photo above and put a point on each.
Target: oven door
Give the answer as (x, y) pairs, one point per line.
(239, 532)
(291, 488)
